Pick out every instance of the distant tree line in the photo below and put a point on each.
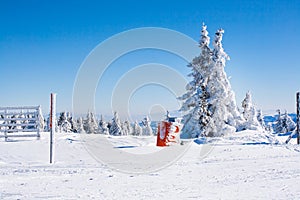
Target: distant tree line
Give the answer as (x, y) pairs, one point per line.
(91, 125)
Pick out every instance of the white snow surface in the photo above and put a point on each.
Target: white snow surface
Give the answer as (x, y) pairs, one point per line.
(245, 165)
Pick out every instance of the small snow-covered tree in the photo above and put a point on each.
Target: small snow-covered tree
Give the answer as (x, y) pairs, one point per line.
(73, 124)
(103, 129)
(260, 119)
(126, 127)
(284, 123)
(86, 123)
(288, 123)
(101, 121)
(90, 125)
(80, 128)
(116, 128)
(137, 129)
(147, 130)
(250, 114)
(63, 123)
(71, 121)
(94, 123)
(62, 118)
(66, 126)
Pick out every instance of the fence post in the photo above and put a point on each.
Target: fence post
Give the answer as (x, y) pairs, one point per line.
(52, 122)
(298, 112)
(5, 128)
(38, 121)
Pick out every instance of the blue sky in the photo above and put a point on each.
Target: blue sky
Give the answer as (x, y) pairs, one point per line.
(43, 43)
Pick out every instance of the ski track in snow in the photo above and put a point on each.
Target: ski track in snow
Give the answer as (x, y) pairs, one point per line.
(227, 171)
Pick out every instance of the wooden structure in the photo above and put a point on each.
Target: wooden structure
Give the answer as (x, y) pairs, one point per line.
(20, 121)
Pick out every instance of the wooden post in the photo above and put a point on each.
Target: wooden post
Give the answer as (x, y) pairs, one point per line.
(52, 122)
(5, 121)
(298, 110)
(37, 122)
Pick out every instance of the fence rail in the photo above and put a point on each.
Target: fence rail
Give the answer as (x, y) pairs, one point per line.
(18, 121)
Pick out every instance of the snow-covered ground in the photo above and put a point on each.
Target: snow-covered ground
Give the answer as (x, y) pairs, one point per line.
(249, 165)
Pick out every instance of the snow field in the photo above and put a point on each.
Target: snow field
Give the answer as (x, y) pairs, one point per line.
(233, 168)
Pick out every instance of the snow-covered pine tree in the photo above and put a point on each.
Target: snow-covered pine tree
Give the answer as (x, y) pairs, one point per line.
(137, 129)
(284, 123)
(260, 119)
(101, 121)
(62, 118)
(126, 127)
(79, 123)
(147, 130)
(195, 105)
(94, 123)
(66, 127)
(225, 117)
(103, 129)
(209, 95)
(90, 125)
(63, 123)
(73, 125)
(69, 119)
(116, 128)
(124, 130)
(250, 114)
(288, 123)
(86, 123)
(277, 125)
(129, 127)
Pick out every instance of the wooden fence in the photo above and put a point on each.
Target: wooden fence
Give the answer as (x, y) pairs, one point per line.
(23, 121)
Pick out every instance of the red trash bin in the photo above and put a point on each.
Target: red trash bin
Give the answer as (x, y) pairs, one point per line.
(168, 133)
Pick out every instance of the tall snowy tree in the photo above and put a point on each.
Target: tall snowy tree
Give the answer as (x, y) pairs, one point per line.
(116, 128)
(195, 105)
(250, 114)
(209, 93)
(225, 115)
